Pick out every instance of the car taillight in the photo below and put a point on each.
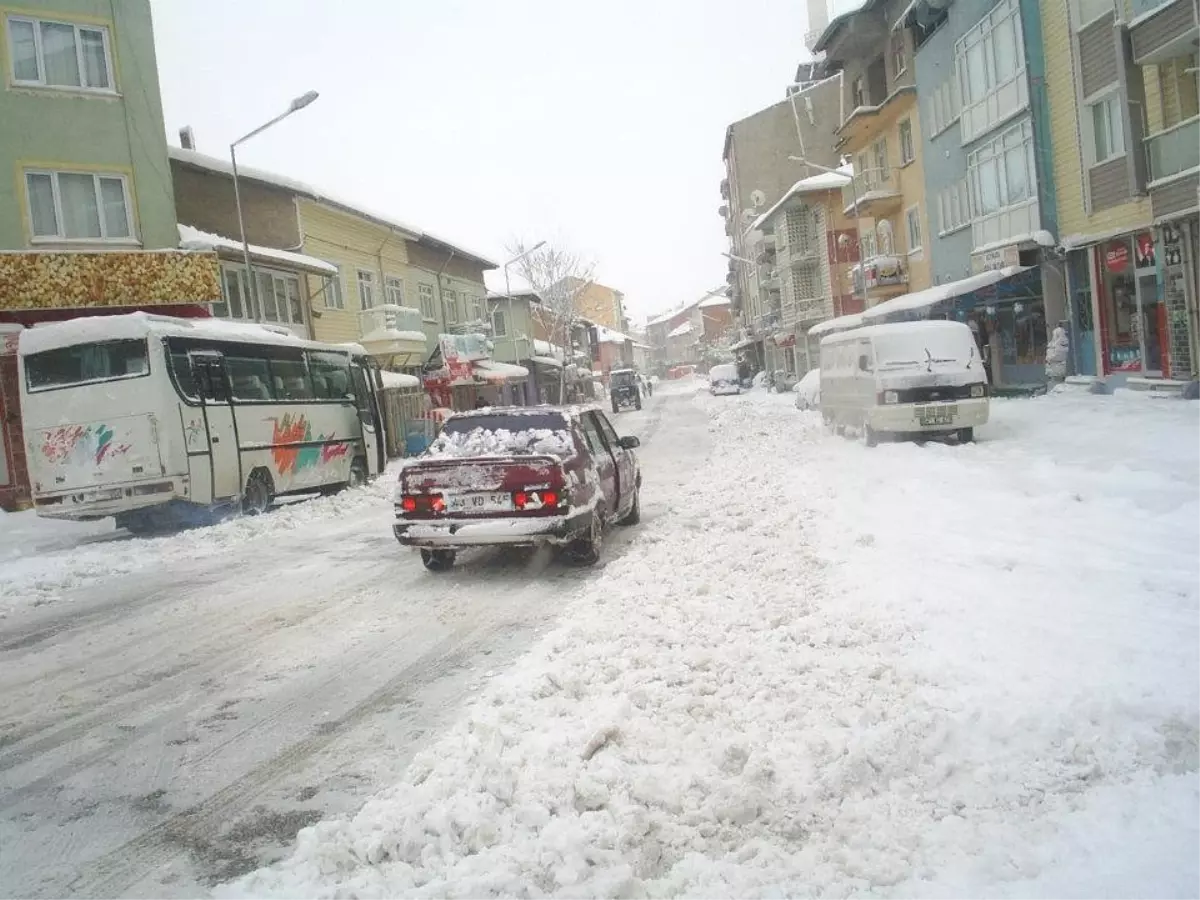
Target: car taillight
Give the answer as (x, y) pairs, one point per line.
(412, 503)
(538, 499)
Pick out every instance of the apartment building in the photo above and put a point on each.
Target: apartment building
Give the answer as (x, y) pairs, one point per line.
(599, 303)
(763, 156)
(806, 262)
(87, 215)
(880, 135)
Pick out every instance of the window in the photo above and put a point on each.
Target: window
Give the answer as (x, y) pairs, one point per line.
(330, 374)
(990, 54)
(1108, 137)
(366, 289)
(944, 105)
(899, 64)
(591, 435)
(393, 290)
(181, 368)
(86, 364)
(249, 377)
(912, 218)
(60, 55)
(1002, 171)
(867, 241)
(954, 208)
(858, 92)
(334, 299)
(231, 306)
(881, 157)
(279, 297)
(450, 302)
(1084, 12)
(289, 378)
(606, 429)
(78, 206)
(499, 323)
(425, 292)
(907, 153)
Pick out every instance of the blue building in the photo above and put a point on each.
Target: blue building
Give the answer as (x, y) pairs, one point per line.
(988, 175)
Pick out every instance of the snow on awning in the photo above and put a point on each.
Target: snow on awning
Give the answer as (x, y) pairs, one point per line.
(547, 361)
(194, 239)
(938, 293)
(399, 380)
(494, 372)
(841, 323)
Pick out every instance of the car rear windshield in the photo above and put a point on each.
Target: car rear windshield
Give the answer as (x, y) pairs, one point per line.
(86, 364)
(622, 379)
(504, 434)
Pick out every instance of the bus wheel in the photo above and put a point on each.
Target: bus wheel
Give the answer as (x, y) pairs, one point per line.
(260, 491)
(358, 473)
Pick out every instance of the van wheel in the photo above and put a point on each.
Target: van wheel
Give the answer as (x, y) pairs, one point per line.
(615, 406)
(870, 436)
(260, 492)
(635, 512)
(966, 435)
(438, 560)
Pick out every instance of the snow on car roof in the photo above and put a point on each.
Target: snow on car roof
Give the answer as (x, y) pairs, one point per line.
(131, 326)
(924, 326)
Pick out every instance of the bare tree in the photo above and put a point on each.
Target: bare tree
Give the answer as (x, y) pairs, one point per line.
(557, 276)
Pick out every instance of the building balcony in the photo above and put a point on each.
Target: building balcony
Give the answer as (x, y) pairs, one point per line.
(803, 311)
(874, 193)
(394, 331)
(1162, 29)
(867, 122)
(880, 277)
(1174, 150)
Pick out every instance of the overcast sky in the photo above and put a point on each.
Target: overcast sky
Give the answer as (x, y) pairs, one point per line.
(595, 123)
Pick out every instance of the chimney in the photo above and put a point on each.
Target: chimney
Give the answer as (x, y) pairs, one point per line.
(187, 138)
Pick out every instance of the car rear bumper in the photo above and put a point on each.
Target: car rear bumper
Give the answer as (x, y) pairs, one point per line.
(455, 534)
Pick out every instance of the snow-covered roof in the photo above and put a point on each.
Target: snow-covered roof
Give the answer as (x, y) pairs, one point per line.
(719, 300)
(90, 329)
(215, 164)
(607, 335)
(194, 239)
(492, 369)
(399, 380)
(551, 361)
(940, 292)
(813, 184)
(681, 330)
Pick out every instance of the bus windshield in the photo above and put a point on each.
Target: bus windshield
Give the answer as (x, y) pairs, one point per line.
(86, 364)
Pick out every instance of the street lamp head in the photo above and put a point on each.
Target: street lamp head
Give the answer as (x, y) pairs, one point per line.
(302, 101)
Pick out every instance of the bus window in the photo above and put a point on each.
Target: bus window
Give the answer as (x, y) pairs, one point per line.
(290, 379)
(330, 375)
(249, 378)
(181, 367)
(86, 364)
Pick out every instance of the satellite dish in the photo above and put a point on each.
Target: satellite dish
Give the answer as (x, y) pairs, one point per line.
(749, 215)
(757, 198)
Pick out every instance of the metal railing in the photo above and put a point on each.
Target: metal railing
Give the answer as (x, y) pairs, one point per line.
(390, 317)
(868, 181)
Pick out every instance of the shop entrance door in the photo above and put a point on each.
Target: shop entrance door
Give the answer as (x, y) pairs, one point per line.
(1149, 315)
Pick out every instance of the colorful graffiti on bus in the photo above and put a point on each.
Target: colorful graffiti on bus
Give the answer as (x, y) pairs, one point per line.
(80, 444)
(296, 429)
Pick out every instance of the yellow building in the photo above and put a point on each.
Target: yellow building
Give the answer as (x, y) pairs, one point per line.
(880, 135)
(600, 304)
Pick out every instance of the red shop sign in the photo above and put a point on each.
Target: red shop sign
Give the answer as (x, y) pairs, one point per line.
(1116, 257)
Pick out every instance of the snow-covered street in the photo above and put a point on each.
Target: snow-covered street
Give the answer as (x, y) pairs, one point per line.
(814, 669)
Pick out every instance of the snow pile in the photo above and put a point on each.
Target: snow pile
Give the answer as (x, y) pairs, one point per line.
(41, 560)
(829, 670)
(501, 442)
(399, 380)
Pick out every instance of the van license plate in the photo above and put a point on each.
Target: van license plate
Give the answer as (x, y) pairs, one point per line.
(480, 501)
(937, 415)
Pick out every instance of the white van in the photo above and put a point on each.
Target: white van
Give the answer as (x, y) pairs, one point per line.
(904, 379)
(723, 379)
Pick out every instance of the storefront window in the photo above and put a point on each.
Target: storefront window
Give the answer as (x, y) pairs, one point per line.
(1022, 328)
(1118, 307)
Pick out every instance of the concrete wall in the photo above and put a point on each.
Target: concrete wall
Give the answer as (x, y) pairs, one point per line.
(119, 132)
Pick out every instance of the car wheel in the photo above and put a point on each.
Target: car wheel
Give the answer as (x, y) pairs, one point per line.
(438, 560)
(616, 407)
(635, 512)
(870, 436)
(585, 551)
(638, 405)
(966, 435)
(260, 492)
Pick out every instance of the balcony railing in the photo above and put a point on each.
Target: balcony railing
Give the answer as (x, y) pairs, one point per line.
(867, 185)
(390, 317)
(1175, 150)
(1141, 7)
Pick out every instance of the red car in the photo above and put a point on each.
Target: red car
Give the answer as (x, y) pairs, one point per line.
(518, 476)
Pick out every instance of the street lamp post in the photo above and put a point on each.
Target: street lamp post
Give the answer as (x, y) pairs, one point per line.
(299, 103)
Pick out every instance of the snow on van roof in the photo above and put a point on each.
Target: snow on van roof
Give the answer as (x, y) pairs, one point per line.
(92, 329)
(924, 326)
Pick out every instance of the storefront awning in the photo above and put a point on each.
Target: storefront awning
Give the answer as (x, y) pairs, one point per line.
(784, 340)
(920, 301)
(492, 372)
(841, 323)
(548, 361)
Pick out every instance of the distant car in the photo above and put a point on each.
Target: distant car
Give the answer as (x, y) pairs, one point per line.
(624, 390)
(723, 379)
(782, 382)
(808, 390)
(519, 476)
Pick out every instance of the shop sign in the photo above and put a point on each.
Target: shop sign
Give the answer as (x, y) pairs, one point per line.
(1116, 257)
(1172, 246)
(1144, 245)
(1000, 258)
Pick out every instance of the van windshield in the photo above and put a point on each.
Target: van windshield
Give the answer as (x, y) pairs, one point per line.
(86, 364)
(921, 348)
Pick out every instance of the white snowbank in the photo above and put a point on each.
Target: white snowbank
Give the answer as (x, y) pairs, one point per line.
(825, 670)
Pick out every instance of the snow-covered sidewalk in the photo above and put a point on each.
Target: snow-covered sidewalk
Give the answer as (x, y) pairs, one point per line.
(833, 670)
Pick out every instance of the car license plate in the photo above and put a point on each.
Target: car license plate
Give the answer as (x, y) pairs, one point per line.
(937, 415)
(480, 501)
